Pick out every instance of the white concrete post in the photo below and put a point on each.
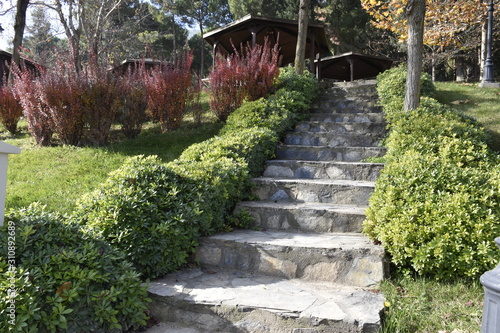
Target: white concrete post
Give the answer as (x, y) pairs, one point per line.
(5, 150)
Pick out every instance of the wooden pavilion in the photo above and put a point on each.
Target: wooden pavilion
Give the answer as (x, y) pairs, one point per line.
(252, 30)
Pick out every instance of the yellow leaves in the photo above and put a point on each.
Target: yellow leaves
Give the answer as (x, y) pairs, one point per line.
(443, 20)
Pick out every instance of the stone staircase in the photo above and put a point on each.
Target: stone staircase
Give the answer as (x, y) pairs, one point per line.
(305, 267)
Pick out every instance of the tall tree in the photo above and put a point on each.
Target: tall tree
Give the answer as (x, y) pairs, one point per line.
(346, 23)
(88, 18)
(240, 8)
(415, 13)
(39, 40)
(19, 25)
(302, 36)
(204, 14)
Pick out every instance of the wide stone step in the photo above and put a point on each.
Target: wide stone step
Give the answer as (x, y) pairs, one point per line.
(304, 217)
(347, 106)
(323, 153)
(355, 128)
(332, 117)
(342, 258)
(358, 85)
(323, 169)
(332, 139)
(232, 301)
(350, 192)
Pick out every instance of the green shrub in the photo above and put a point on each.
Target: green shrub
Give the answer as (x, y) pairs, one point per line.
(305, 83)
(220, 183)
(146, 210)
(435, 207)
(391, 88)
(254, 145)
(66, 281)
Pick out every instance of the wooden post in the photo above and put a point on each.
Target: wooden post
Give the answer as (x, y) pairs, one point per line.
(5, 150)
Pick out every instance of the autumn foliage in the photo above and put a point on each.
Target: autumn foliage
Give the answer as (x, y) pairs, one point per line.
(10, 109)
(167, 88)
(247, 74)
(444, 19)
(71, 107)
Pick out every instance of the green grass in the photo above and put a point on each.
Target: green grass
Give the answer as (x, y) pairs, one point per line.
(482, 104)
(58, 176)
(421, 305)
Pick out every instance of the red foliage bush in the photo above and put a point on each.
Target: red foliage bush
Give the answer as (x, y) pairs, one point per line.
(10, 109)
(132, 102)
(100, 100)
(167, 87)
(27, 91)
(61, 95)
(247, 74)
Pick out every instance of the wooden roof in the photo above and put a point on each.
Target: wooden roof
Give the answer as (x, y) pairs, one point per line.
(241, 32)
(353, 66)
(6, 58)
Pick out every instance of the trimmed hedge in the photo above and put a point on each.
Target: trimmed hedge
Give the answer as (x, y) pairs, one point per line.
(436, 205)
(65, 281)
(156, 212)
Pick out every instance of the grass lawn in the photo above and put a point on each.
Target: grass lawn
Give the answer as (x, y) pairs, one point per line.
(58, 176)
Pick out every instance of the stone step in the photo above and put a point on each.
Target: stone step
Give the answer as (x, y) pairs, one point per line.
(323, 169)
(341, 258)
(201, 300)
(357, 128)
(332, 139)
(345, 106)
(350, 192)
(347, 117)
(359, 85)
(304, 217)
(323, 153)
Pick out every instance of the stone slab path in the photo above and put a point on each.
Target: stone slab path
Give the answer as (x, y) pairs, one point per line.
(305, 267)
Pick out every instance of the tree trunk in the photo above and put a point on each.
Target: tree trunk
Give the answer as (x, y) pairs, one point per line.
(415, 11)
(19, 25)
(484, 46)
(202, 53)
(300, 50)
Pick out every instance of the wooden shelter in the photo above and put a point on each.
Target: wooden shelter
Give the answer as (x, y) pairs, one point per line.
(351, 66)
(252, 30)
(5, 60)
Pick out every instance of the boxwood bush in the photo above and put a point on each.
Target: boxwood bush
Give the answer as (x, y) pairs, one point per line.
(65, 281)
(156, 212)
(436, 204)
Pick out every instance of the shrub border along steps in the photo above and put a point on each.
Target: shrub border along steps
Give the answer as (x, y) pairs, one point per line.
(436, 206)
(285, 280)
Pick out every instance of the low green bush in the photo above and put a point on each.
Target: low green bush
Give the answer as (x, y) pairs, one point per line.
(391, 89)
(65, 281)
(254, 145)
(146, 210)
(435, 207)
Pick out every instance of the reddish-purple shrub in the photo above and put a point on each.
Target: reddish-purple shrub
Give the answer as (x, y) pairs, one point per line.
(167, 87)
(245, 74)
(27, 91)
(61, 94)
(132, 102)
(10, 109)
(100, 102)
